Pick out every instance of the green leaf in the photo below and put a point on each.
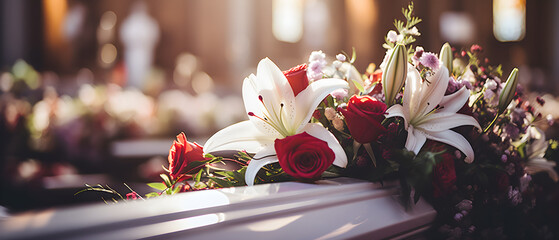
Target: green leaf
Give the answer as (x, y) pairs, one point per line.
(157, 185)
(222, 183)
(358, 85)
(176, 189)
(353, 55)
(193, 166)
(152, 194)
(166, 179)
(198, 176)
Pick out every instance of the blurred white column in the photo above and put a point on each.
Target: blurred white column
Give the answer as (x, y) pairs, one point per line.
(241, 39)
(139, 34)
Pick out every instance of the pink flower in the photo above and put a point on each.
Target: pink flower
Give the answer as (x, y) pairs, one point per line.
(132, 196)
(429, 60)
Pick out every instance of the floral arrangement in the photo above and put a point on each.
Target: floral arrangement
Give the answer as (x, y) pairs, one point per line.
(448, 126)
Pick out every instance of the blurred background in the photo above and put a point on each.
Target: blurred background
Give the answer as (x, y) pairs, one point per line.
(95, 91)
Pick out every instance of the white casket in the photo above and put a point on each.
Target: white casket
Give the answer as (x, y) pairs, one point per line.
(341, 208)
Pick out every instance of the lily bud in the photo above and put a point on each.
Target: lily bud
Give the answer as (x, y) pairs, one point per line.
(446, 57)
(394, 75)
(508, 91)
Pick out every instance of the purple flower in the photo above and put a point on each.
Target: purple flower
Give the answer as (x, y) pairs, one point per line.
(514, 196)
(429, 60)
(518, 115)
(512, 131)
(464, 205)
(504, 158)
(339, 94)
(453, 86)
(525, 182)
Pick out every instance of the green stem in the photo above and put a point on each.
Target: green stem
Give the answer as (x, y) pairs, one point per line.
(492, 122)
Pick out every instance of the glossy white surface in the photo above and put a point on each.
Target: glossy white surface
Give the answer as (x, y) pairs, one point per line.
(336, 209)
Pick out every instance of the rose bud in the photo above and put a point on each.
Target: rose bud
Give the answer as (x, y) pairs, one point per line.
(297, 78)
(364, 115)
(303, 156)
(181, 154)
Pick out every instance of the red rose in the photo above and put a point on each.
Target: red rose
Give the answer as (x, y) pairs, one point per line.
(181, 154)
(297, 78)
(444, 173)
(363, 117)
(304, 156)
(502, 182)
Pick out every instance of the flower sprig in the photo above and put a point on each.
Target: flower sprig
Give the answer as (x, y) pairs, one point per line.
(406, 31)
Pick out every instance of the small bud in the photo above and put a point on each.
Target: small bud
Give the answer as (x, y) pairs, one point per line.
(340, 57)
(338, 123)
(508, 91)
(330, 113)
(394, 75)
(446, 56)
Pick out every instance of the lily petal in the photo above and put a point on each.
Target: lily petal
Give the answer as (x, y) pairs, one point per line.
(265, 96)
(269, 70)
(415, 140)
(542, 165)
(412, 92)
(308, 99)
(456, 140)
(254, 105)
(318, 131)
(255, 165)
(438, 122)
(238, 137)
(455, 101)
(398, 111)
(433, 90)
(537, 148)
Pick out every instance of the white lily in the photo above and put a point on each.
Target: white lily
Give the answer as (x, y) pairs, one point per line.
(428, 114)
(275, 112)
(535, 152)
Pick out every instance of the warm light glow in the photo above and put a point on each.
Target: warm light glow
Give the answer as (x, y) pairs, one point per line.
(55, 11)
(509, 20)
(457, 27)
(108, 54)
(202, 82)
(108, 20)
(287, 21)
(362, 18)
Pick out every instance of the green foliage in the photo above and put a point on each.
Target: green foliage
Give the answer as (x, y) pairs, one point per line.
(415, 171)
(152, 194)
(230, 178)
(405, 29)
(157, 185)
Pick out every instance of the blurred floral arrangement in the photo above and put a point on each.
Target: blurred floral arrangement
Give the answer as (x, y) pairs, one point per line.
(447, 126)
(53, 128)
